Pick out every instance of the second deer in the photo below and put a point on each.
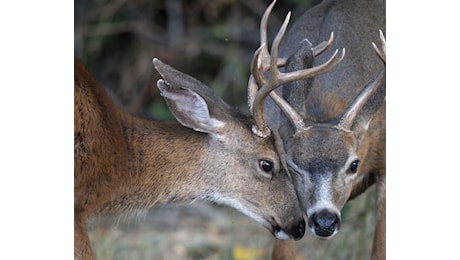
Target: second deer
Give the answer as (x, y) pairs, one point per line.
(333, 124)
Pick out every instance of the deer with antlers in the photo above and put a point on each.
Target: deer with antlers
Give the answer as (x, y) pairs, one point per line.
(332, 124)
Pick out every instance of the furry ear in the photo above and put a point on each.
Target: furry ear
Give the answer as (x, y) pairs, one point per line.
(189, 108)
(193, 103)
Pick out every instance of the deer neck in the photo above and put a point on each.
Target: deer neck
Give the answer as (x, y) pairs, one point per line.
(164, 163)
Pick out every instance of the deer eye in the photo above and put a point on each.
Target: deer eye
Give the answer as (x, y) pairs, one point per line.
(266, 166)
(354, 166)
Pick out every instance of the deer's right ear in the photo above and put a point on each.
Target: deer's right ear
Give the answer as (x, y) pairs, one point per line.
(189, 108)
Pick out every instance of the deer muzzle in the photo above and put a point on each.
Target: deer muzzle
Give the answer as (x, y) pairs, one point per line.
(296, 231)
(324, 224)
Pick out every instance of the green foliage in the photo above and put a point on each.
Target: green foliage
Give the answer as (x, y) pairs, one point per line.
(160, 111)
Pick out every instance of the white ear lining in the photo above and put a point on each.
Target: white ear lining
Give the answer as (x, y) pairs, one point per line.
(190, 109)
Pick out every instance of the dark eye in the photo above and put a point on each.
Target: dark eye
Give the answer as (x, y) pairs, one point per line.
(266, 166)
(354, 166)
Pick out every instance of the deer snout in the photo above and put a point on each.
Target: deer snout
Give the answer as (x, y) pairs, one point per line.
(324, 224)
(295, 231)
(298, 230)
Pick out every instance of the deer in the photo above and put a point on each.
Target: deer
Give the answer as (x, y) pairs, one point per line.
(332, 125)
(123, 163)
(213, 152)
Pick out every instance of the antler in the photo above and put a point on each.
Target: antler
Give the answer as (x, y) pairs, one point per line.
(263, 62)
(382, 54)
(349, 115)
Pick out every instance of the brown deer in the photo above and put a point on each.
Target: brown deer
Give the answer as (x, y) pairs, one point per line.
(213, 153)
(333, 124)
(123, 163)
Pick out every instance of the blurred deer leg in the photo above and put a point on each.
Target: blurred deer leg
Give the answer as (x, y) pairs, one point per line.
(283, 250)
(379, 247)
(82, 244)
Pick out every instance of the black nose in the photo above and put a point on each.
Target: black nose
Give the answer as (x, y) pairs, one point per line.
(324, 223)
(299, 230)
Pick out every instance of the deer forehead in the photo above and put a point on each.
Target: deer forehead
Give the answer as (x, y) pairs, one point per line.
(326, 146)
(241, 141)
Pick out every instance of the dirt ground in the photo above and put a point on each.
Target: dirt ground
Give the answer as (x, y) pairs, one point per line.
(207, 231)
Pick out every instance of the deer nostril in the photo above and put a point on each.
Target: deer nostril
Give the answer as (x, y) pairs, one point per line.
(300, 230)
(325, 219)
(297, 231)
(324, 223)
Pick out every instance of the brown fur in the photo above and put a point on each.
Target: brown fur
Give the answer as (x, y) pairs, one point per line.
(123, 163)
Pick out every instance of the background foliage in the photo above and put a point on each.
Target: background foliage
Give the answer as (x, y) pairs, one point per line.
(212, 41)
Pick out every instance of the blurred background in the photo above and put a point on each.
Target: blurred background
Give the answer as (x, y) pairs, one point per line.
(212, 41)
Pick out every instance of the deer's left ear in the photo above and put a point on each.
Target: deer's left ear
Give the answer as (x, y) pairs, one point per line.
(189, 108)
(193, 103)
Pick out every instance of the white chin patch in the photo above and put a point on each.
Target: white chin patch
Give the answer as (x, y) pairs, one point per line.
(282, 235)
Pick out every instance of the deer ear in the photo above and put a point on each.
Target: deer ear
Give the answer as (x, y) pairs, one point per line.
(189, 108)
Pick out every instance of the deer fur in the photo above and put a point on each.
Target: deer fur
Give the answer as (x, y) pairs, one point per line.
(123, 163)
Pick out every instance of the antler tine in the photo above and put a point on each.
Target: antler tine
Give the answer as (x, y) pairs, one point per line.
(320, 48)
(291, 113)
(265, 56)
(382, 54)
(312, 72)
(349, 115)
(256, 79)
(263, 31)
(275, 46)
(266, 88)
(260, 59)
(274, 72)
